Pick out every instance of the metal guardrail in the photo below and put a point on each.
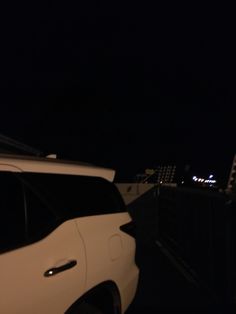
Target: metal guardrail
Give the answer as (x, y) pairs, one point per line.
(199, 227)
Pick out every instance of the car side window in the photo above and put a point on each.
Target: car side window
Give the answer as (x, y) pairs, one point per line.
(76, 196)
(40, 219)
(12, 221)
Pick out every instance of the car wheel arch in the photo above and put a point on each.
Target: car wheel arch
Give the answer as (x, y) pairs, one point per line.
(107, 290)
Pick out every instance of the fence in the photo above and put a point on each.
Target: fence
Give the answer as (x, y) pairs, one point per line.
(198, 227)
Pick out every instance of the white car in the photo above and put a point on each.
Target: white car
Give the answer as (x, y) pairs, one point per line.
(66, 239)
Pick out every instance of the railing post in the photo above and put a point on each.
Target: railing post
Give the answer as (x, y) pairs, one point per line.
(156, 198)
(229, 246)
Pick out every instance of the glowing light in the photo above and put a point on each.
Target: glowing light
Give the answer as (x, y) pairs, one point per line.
(210, 176)
(210, 181)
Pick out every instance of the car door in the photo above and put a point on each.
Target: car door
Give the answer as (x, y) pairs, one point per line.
(42, 261)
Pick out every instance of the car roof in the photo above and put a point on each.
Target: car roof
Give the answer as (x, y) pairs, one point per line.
(53, 165)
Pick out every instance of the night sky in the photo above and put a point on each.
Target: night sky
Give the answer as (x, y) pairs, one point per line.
(129, 142)
(124, 85)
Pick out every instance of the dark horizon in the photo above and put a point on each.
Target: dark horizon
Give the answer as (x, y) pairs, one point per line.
(129, 142)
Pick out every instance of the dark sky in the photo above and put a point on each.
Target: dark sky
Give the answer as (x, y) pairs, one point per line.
(150, 82)
(130, 141)
(113, 53)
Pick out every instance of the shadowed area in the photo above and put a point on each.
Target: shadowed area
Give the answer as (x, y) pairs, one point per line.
(166, 286)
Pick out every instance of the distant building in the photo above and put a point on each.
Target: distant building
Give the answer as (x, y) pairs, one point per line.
(162, 174)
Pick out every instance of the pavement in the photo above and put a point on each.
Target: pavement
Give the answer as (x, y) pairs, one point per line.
(165, 287)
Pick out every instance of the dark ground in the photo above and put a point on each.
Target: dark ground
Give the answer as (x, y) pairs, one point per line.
(163, 288)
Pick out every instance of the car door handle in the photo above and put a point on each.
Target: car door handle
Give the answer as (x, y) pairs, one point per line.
(55, 270)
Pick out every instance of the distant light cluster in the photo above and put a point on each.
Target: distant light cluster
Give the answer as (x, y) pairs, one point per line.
(201, 180)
